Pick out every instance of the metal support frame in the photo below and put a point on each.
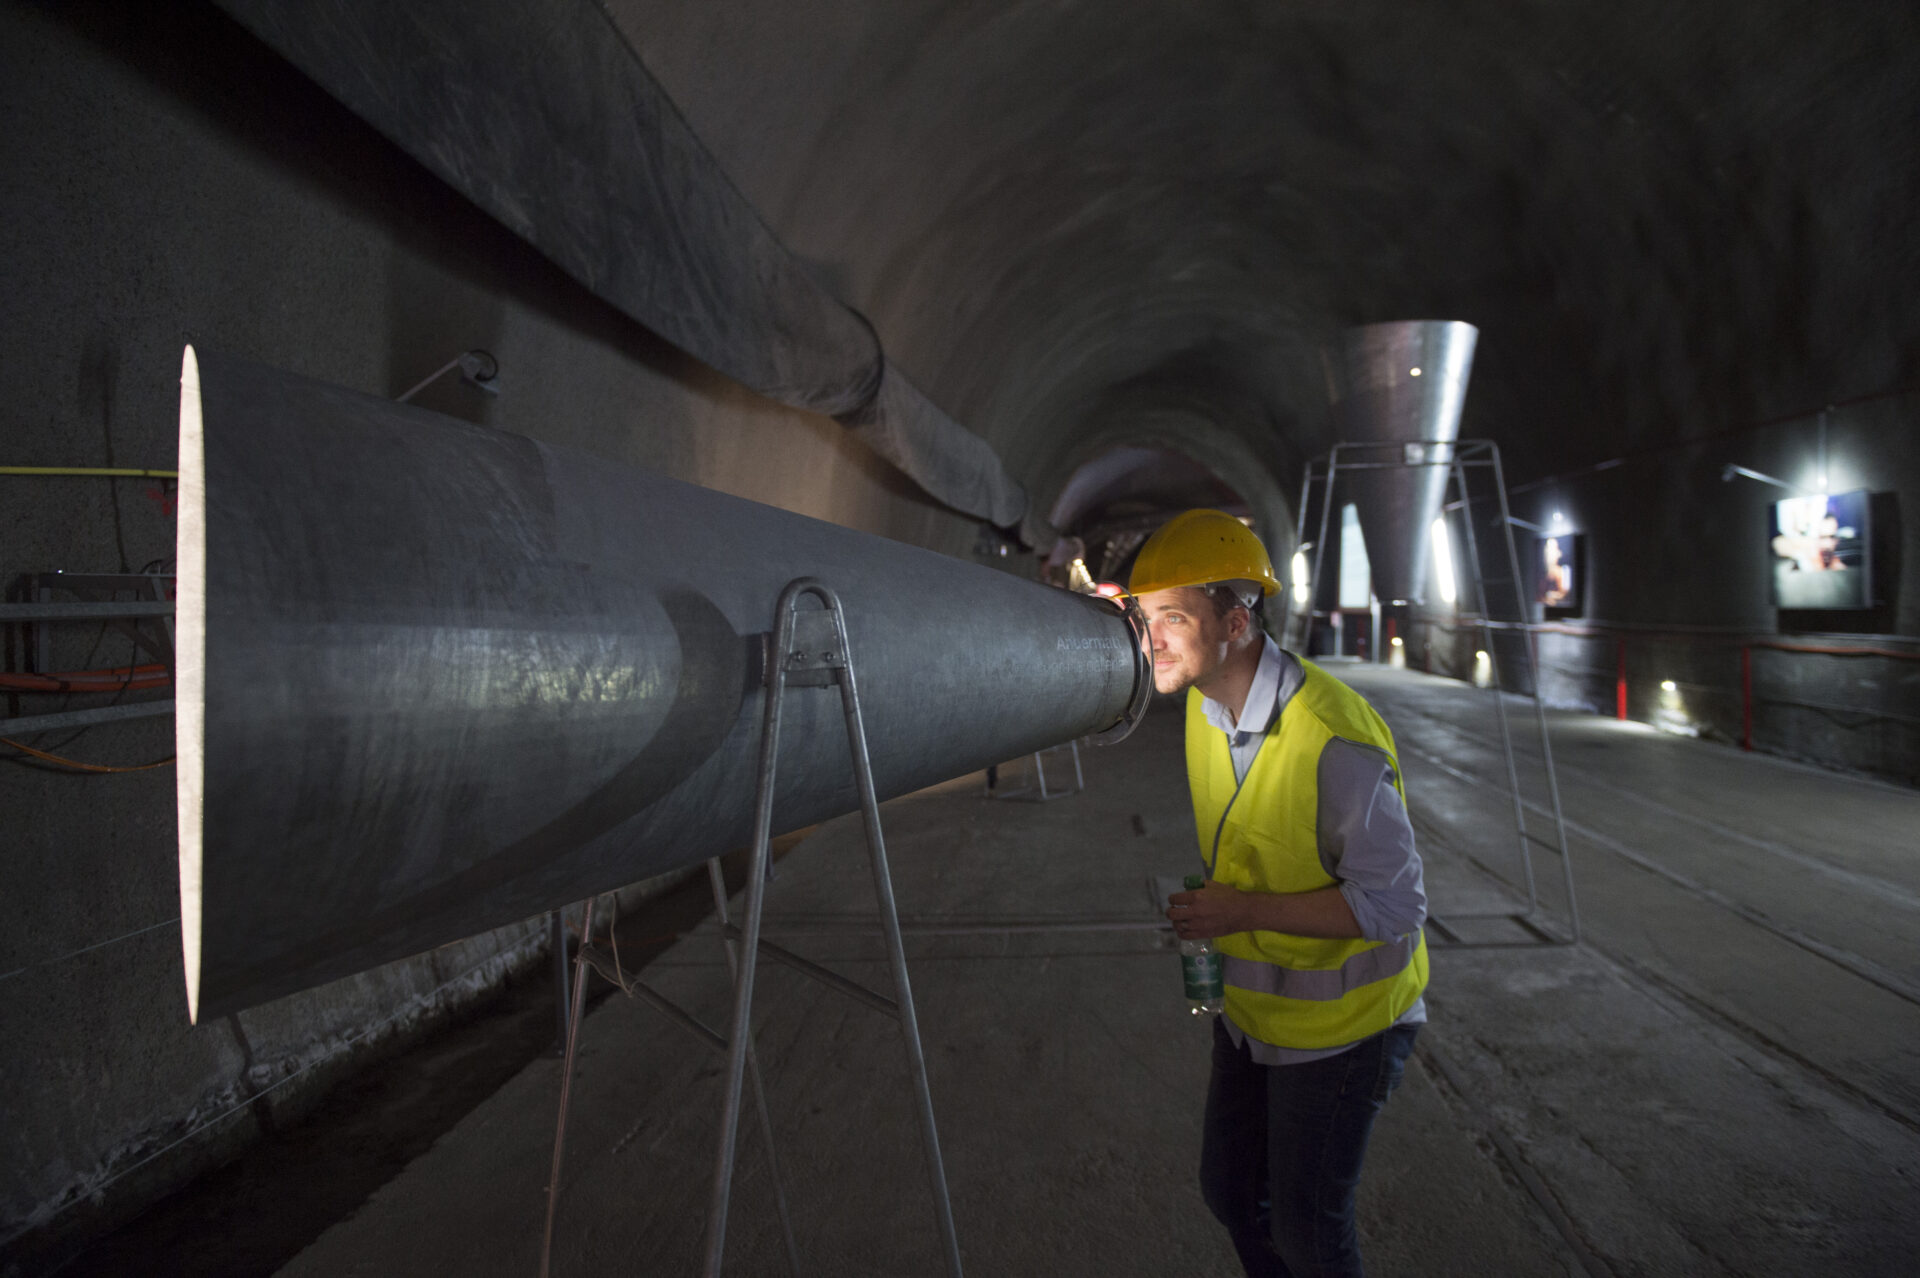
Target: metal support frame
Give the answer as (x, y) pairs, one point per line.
(1459, 457)
(608, 965)
(1039, 793)
(98, 599)
(808, 649)
(147, 620)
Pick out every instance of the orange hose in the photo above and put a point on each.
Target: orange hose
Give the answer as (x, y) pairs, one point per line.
(114, 680)
(77, 766)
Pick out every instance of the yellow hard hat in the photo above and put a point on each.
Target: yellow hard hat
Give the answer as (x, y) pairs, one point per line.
(1199, 547)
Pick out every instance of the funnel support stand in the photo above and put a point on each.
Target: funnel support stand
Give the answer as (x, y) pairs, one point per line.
(1539, 702)
(1460, 457)
(1499, 698)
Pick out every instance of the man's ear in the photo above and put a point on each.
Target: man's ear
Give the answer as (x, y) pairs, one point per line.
(1239, 621)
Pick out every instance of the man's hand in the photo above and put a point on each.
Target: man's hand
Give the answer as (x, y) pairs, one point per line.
(1219, 909)
(1213, 909)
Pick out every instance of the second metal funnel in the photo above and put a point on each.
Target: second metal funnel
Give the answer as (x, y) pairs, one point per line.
(1398, 383)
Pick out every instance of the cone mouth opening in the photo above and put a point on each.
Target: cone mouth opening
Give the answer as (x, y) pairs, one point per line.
(190, 663)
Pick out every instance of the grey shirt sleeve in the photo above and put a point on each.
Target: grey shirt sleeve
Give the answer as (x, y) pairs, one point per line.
(1366, 841)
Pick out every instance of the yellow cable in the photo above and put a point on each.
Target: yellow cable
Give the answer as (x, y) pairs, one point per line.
(83, 767)
(90, 470)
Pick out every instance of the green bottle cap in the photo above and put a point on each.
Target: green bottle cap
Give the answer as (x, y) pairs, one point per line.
(1195, 882)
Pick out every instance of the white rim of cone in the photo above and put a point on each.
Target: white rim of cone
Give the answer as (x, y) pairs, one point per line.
(190, 668)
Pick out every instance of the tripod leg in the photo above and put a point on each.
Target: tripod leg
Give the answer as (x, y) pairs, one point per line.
(897, 959)
(742, 1032)
(566, 1085)
(719, 883)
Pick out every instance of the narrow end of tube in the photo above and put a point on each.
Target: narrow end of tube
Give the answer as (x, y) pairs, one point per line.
(190, 668)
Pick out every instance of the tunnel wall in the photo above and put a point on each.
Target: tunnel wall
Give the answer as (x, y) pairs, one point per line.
(1682, 556)
(171, 181)
(1679, 587)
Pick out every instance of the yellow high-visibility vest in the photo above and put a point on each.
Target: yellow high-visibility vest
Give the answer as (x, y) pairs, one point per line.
(1295, 991)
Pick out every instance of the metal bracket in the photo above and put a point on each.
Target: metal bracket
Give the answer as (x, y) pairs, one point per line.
(816, 652)
(1142, 677)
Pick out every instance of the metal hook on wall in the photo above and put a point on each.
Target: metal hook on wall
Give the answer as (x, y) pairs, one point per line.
(478, 369)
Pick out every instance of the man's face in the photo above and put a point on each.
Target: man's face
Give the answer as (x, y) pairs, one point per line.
(1190, 638)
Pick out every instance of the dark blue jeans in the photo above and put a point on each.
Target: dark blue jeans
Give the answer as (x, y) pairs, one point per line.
(1280, 1157)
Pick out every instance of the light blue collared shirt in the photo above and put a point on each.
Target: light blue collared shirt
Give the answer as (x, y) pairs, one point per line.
(1275, 681)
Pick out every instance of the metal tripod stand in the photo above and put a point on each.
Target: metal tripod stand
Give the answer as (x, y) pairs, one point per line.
(808, 649)
(1460, 457)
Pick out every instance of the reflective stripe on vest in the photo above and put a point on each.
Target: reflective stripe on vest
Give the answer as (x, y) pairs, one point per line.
(1325, 984)
(1295, 991)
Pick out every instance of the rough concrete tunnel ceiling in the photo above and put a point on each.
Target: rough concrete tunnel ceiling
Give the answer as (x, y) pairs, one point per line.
(1066, 219)
(1135, 225)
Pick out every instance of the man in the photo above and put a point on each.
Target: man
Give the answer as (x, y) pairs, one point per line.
(1313, 895)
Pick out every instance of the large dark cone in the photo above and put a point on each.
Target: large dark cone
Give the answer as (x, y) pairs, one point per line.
(1379, 399)
(434, 679)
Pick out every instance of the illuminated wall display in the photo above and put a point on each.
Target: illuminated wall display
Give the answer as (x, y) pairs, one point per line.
(1562, 571)
(1819, 546)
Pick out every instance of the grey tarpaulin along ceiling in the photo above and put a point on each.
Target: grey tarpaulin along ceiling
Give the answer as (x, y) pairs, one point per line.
(542, 114)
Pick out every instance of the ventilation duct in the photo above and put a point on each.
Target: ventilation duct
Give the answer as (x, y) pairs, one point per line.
(1399, 383)
(540, 112)
(434, 678)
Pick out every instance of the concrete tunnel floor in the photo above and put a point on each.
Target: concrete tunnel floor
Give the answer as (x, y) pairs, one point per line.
(1719, 1079)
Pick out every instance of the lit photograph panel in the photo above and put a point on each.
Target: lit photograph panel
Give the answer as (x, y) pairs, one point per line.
(1558, 572)
(1819, 548)
(1559, 587)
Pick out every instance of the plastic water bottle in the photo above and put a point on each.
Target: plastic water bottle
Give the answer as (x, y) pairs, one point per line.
(1200, 968)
